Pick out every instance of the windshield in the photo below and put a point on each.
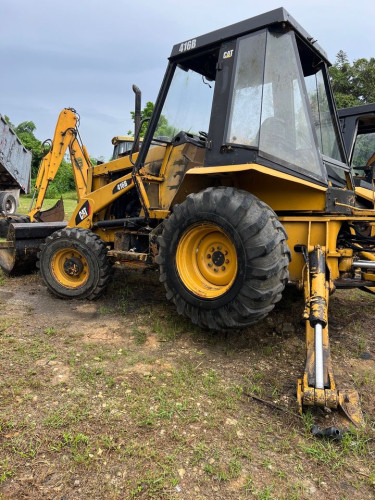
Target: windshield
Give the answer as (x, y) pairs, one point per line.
(269, 110)
(187, 106)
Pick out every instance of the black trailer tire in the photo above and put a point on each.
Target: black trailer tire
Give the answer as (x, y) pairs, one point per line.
(8, 203)
(73, 263)
(223, 258)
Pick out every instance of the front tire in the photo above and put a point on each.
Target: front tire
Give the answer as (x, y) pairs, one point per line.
(223, 258)
(73, 263)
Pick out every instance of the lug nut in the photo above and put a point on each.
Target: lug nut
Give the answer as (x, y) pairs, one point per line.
(210, 264)
(219, 247)
(226, 261)
(209, 256)
(212, 249)
(223, 268)
(226, 252)
(216, 269)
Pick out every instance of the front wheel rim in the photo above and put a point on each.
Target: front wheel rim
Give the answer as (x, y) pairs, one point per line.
(206, 260)
(69, 268)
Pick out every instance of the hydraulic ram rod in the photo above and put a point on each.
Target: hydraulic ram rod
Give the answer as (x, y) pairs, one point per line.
(319, 363)
(366, 264)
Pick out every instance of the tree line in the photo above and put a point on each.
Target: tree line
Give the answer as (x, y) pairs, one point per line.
(353, 84)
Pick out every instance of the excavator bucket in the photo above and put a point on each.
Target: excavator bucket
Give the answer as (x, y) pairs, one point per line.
(18, 255)
(54, 214)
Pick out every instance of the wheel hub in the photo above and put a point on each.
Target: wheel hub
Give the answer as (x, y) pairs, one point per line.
(73, 266)
(218, 258)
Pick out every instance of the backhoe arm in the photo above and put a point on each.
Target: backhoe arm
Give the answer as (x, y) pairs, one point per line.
(65, 137)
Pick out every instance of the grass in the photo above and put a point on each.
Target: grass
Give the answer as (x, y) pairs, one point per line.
(159, 411)
(70, 202)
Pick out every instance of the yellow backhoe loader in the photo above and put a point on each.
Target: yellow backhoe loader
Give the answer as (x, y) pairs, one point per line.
(249, 155)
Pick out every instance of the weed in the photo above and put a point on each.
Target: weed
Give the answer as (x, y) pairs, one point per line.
(50, 331)
(234, 468)
(253, 386)
(5, 471)
(78, 444)
(361, 343)
(265, 493)
(210, 378)
(355, 441)
(105, 310)
(325, 452)
(26, 448)
(66, 416)
(140, 336)
(308, 420)
(199, 452)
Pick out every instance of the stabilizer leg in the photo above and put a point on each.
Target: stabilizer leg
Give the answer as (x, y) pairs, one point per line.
(318, 387)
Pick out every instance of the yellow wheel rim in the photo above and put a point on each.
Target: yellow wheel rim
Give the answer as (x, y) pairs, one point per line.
(206, 260)
(69, 267)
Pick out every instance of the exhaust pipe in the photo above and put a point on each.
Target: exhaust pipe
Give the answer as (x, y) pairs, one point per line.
(137, 118)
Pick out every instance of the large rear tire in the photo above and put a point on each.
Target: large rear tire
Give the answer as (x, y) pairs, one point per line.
(223, 258)
(73, 263)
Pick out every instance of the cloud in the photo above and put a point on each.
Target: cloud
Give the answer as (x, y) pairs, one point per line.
(87, 54)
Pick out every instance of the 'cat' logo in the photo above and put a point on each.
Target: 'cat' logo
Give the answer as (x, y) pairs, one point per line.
(228, 54)
(83, 212)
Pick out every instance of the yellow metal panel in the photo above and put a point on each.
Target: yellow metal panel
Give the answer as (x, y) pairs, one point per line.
(181, 159)
(367, 194)
(279, 190)
(253, 166)
(309, 232)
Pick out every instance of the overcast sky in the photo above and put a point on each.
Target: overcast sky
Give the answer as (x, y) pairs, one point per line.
(86, 54)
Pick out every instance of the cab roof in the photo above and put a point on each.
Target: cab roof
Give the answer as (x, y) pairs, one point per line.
(273, 17)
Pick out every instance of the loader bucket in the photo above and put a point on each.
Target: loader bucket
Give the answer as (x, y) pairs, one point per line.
(54, 214)
(18, 255)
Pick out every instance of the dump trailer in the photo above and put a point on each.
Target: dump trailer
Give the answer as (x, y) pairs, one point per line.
(15, 169)
(248, 189)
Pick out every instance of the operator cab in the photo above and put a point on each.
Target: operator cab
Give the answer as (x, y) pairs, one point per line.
(254, 92)
(358, 128)
(122, 145)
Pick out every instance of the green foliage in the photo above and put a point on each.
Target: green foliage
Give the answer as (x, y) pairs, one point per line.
(63, 182)
(25, 132)
(145, 113)
(353, 84)
(7, 119)
(163, 128)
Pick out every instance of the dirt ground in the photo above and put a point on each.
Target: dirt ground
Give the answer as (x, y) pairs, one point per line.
(122, 398)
